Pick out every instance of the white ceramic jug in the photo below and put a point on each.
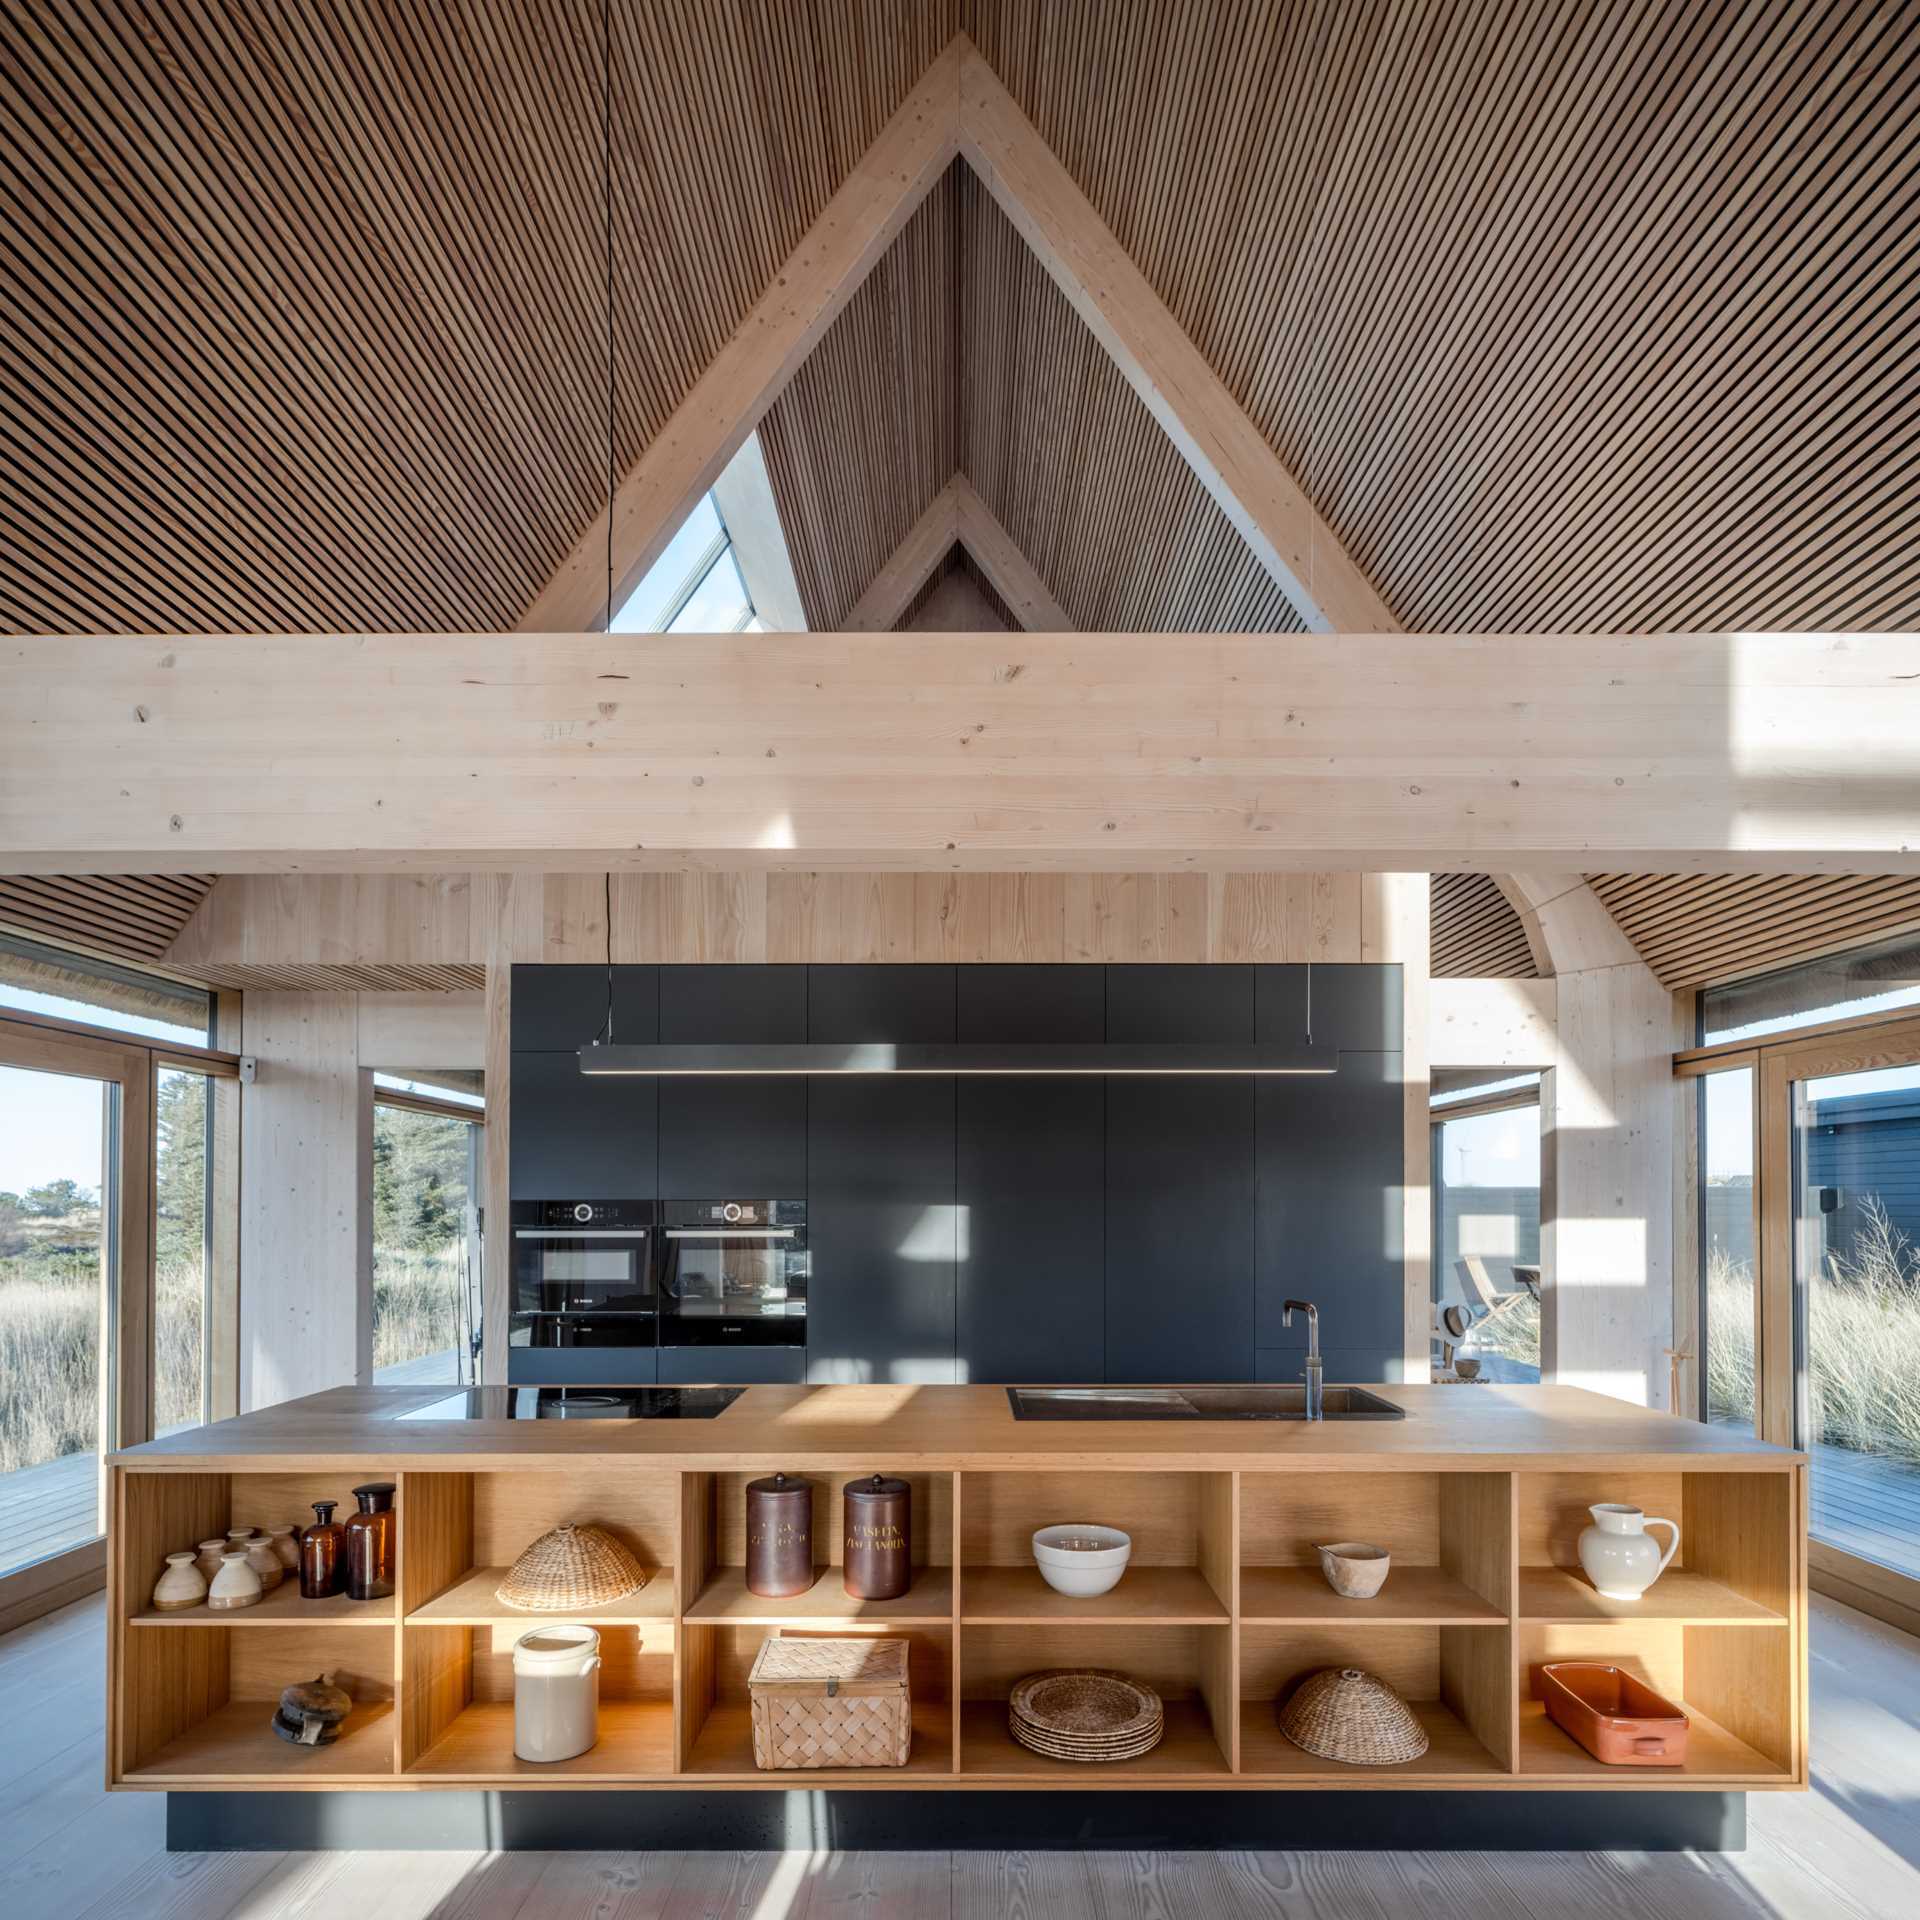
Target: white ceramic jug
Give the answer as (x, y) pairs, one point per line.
(1619, 1556)
(556, 1693)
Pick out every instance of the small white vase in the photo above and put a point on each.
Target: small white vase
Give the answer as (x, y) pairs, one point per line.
(265, 1562)
(286, 1547)
(208, 1558)
(235, 1585)
(1618, 1554)
(183, 1585)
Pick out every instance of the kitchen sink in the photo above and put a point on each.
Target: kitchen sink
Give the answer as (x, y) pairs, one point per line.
(1195, 1403)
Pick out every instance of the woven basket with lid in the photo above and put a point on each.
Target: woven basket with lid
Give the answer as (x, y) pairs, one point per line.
(830, 1702)
(1345, 1714)
(570, 1568)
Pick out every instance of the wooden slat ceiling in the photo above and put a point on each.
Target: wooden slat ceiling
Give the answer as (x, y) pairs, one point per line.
(1567, 315)
(1476, 931)
(985, 610)
(1696, 928)
(121, 916)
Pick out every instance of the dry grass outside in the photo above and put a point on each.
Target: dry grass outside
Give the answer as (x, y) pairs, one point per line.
(416, 1303)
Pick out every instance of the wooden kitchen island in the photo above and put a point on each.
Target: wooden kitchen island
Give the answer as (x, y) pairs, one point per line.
(1480, 1493)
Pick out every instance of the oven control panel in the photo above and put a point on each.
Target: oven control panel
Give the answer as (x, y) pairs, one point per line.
(596, 1213)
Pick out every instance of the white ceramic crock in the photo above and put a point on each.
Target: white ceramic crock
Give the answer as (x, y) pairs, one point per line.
(183, 1585)
(235, 1585)
(1619, 1556)
(556, 1693)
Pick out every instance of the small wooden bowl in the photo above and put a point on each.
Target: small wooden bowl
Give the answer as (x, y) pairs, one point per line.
(1355, 1570)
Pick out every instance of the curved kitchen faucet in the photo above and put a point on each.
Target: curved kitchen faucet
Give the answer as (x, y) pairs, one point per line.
(1313, 1376)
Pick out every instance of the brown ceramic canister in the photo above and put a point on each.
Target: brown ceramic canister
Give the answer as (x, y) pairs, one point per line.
(878, 1538)
(779, 1536)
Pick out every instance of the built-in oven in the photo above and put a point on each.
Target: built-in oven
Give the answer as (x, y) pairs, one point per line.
(733, 1273)
(586, 1257)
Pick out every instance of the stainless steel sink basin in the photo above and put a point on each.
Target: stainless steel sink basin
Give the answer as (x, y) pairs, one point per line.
(1195, 1403)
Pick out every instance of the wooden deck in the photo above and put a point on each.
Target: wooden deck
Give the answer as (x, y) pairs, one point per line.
(1869, 1504)
(48, 1509)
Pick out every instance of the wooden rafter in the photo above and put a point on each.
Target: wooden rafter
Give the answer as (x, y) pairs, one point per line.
(961, 108)
(1383, 752)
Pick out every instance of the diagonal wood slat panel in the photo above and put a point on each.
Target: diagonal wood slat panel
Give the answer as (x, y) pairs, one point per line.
(1476, 932)
(126, 916)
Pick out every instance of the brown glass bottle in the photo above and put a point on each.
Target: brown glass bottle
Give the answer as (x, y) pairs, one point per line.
(368, 1542)
(323, 1566)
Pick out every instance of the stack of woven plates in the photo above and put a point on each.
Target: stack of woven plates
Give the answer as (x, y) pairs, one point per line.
(1088, 1714)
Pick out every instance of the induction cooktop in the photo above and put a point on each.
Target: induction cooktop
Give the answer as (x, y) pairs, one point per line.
(581, 1403)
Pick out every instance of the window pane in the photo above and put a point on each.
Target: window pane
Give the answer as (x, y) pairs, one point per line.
(666, 579)
(1843, 986)
(422, 1305)
(1487, 1192)
(182, 1162)
(37, 979)
(1857, 1308)
(1726, 1247)
(54, 1129)
(719, 603)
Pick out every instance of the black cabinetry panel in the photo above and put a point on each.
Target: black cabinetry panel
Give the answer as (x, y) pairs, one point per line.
(574, 1133)
(558, 1009)
(1352, 1006)
(733, 1006)
(1031, 1005)
(1327, 1208)
(1175, 1003)
(1031, 1188)
(1179, 1254)
(880, 1229)
(846, 1004)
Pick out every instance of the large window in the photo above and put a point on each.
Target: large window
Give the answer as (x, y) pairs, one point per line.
(182, 1247)
(428, 1157)
(1486, 1187)
(43, 980)
(1729, 1320)
(695, 585)
(1843, 986)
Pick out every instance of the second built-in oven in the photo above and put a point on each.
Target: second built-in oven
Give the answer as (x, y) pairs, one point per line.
(733, 1273)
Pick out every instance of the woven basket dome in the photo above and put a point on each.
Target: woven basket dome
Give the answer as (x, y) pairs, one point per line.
(1345, 1714)
(569, 1568)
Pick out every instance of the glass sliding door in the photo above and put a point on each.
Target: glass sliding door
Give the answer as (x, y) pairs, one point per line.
(1727, 1198)
(73, 1291)
(1855, 1249)
(1486, 1186)
(183, 1161)
(426, 1165)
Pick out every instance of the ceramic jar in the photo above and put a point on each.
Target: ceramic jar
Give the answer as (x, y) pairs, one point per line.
(181, 1586)
(779, 1536)
(286, 1547)
(265, 1562)
(877, 1545)
(207, 1558)
(236, 1585)
(1618, 1554)
(556, 1693)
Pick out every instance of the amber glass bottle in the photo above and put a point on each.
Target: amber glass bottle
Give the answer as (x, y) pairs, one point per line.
(323, 1566)
(369, 1542)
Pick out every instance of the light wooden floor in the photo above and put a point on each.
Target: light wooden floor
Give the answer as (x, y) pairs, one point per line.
(1849, 1850)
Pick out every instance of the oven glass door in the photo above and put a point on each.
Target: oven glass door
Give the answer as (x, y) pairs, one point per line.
(742, 1274)
(579, 1270)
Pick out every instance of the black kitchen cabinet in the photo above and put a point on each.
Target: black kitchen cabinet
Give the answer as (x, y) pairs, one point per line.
(1347, 1005)
(1166, 1005)
(1031, 1188)
(559, 1009)
(880, 1229)
(1327, 1208)
(574, 1135)
(1179, 1252)
(732, 1366)
(880, 1003)
(733, 1136)
(1032, 1005)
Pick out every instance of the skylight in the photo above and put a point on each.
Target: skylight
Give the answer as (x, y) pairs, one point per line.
(695, 585)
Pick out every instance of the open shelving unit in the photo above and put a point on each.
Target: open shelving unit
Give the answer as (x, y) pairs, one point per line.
(1223, 1610)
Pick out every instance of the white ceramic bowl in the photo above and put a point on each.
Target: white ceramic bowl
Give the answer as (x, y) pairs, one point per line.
(1081, 1560)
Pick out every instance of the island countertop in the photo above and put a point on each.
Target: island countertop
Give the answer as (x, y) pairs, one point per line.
(1482, 1427)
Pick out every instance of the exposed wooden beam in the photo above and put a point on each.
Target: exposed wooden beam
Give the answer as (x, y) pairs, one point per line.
(1506, 753)
(686, 457)
(1015, 578)
(1231, 456)
(744, 495)
(909, 567)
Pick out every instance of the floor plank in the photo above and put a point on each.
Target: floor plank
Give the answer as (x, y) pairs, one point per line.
(603, 1886)
(879, 1886)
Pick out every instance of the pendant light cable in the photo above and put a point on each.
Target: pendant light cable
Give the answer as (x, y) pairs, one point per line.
(606, 161)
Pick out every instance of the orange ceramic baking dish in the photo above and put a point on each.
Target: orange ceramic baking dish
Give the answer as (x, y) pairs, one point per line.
(1620, 1720)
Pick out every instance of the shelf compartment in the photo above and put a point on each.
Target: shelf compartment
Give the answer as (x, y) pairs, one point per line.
(1181, 1526)
(283, 1607)
(1450, 1535)
(1189, 1749)
(471, 1602)
(725, 1598)
(1457, 1678)
(636, 1741)
(197, 1704)
(1546, 1752)
(235, 1746)
(714, 1519)
(1558, 1595)
(1413, 1596)
(1452, 1751)
(1015, 1596)
(716, 1734)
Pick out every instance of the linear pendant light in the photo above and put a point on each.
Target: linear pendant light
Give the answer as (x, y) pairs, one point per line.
(959, 1058)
